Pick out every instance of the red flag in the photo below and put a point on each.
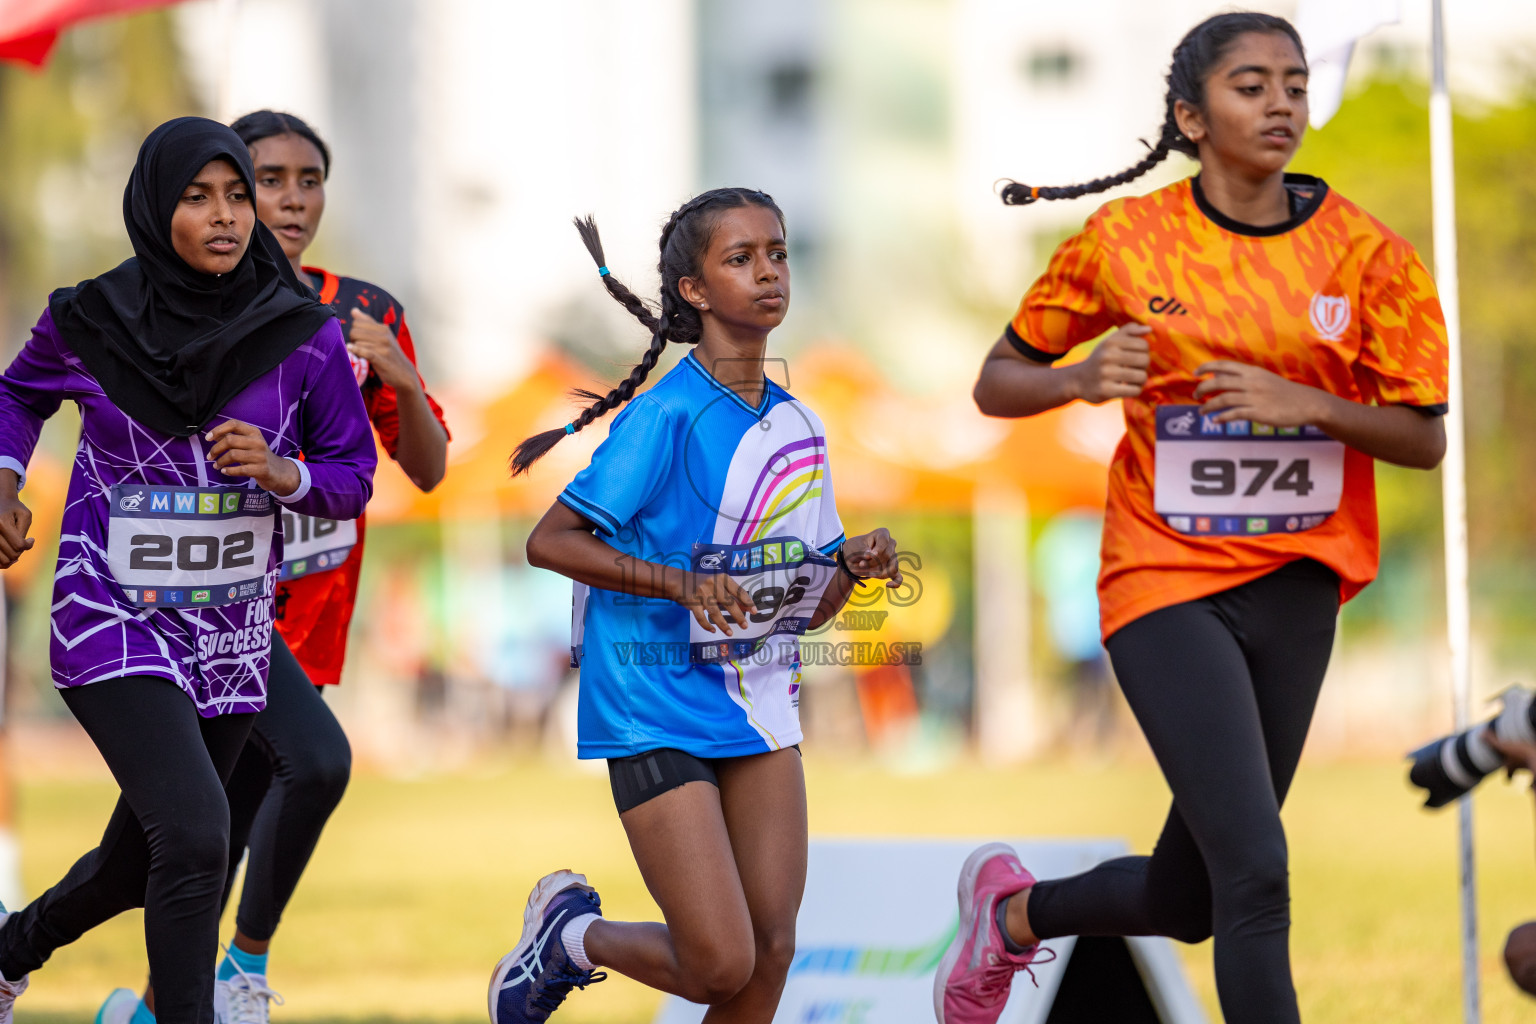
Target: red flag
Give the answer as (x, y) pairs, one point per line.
(29, 28)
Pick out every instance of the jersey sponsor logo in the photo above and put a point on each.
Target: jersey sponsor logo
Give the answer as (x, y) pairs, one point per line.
(131, 502)
(1170, 305)
(1329, 315)
(150, 597)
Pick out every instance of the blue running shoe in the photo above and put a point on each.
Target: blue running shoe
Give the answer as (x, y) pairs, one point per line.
(532, 980)
(119, 1008)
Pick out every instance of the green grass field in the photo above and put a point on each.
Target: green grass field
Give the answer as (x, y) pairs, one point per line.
(418, 886)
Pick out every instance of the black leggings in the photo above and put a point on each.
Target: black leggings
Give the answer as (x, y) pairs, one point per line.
(289, 779)
(165, 846)
(1224, 688)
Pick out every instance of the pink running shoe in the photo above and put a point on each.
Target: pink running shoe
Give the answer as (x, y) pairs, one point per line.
(973, 980)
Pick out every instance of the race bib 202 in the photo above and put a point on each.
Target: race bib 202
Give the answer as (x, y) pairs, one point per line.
(183, 546)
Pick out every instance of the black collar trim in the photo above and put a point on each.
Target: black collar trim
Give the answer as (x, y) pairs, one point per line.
(1298, 186)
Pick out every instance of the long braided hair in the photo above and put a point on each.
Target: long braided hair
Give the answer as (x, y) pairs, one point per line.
(1194, 58)
(684, 240)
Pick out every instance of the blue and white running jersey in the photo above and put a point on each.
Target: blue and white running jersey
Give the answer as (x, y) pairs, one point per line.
(691, 475)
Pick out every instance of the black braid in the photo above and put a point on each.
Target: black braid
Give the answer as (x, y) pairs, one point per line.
(684, 239)
(1194, 58)
(587, 228)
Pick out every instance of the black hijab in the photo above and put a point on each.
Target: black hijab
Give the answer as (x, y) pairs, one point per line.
(170, 345)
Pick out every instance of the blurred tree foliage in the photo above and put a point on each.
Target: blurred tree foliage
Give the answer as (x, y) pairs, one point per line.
(68, 136)
(1376, 152)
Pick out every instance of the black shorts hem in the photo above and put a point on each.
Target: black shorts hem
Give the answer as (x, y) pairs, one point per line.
(642, 777)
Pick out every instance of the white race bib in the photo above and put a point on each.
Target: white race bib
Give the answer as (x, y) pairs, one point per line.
(579, 594)
(785, 578)
(1241, 477)
(312, 544)
(177, 546)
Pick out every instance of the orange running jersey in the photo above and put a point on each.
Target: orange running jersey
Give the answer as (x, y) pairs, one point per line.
(1330, 298)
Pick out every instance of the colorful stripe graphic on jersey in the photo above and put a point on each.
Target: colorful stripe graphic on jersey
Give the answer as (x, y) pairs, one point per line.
(792, 475)
(691, 475)
(1331, 299)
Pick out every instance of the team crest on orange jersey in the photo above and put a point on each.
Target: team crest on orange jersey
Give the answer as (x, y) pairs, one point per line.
(1329, 315)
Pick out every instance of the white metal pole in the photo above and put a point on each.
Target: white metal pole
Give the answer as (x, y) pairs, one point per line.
(224, 98)
(1454, 477)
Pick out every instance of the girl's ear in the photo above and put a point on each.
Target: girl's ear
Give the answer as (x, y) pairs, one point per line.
(1191, 124)
(692, 293)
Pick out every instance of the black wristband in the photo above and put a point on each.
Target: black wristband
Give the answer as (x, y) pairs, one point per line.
(842, 563)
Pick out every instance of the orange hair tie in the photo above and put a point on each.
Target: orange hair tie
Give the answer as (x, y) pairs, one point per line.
(1034, 193)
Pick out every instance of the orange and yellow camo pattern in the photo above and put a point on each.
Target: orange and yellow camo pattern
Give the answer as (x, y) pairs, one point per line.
(1336, 301)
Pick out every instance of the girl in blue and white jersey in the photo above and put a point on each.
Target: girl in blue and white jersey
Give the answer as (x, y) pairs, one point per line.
(704, 540)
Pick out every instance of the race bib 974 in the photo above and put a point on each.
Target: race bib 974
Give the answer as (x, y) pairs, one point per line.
(182, 546)
(1242, 477)
(785, 578)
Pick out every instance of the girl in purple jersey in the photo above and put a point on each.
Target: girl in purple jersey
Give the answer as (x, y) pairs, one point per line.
(201, 369)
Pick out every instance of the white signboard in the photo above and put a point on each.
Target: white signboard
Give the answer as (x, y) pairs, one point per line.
(878, 915)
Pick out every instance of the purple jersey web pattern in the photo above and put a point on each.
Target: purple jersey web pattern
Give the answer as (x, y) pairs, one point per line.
(218, 655)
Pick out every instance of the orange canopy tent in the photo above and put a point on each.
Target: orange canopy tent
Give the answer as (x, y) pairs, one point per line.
(890, 451)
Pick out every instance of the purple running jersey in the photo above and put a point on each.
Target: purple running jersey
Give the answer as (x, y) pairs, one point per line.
(166, 566)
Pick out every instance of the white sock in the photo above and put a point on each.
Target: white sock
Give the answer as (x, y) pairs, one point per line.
(574, 938)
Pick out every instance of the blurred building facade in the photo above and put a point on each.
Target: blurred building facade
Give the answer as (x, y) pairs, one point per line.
(468, 132)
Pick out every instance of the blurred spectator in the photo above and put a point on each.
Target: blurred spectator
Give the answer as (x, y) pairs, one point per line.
(1520, 947)
(1067, 568)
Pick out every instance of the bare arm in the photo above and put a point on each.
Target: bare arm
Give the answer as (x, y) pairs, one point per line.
(871, 555)
(422, 452)
(1013, 385)
(423, 449)
(1392, 433)
(15, 520)
(564, 542)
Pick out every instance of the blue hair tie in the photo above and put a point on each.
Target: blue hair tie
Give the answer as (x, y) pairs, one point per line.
(570, 428)
(602, 271)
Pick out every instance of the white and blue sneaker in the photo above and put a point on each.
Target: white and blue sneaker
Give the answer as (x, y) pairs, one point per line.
(119, 1008)
(9, 990)
(532, 980)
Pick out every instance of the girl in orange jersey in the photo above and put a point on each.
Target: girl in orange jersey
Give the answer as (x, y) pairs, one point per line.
(1269, 340)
